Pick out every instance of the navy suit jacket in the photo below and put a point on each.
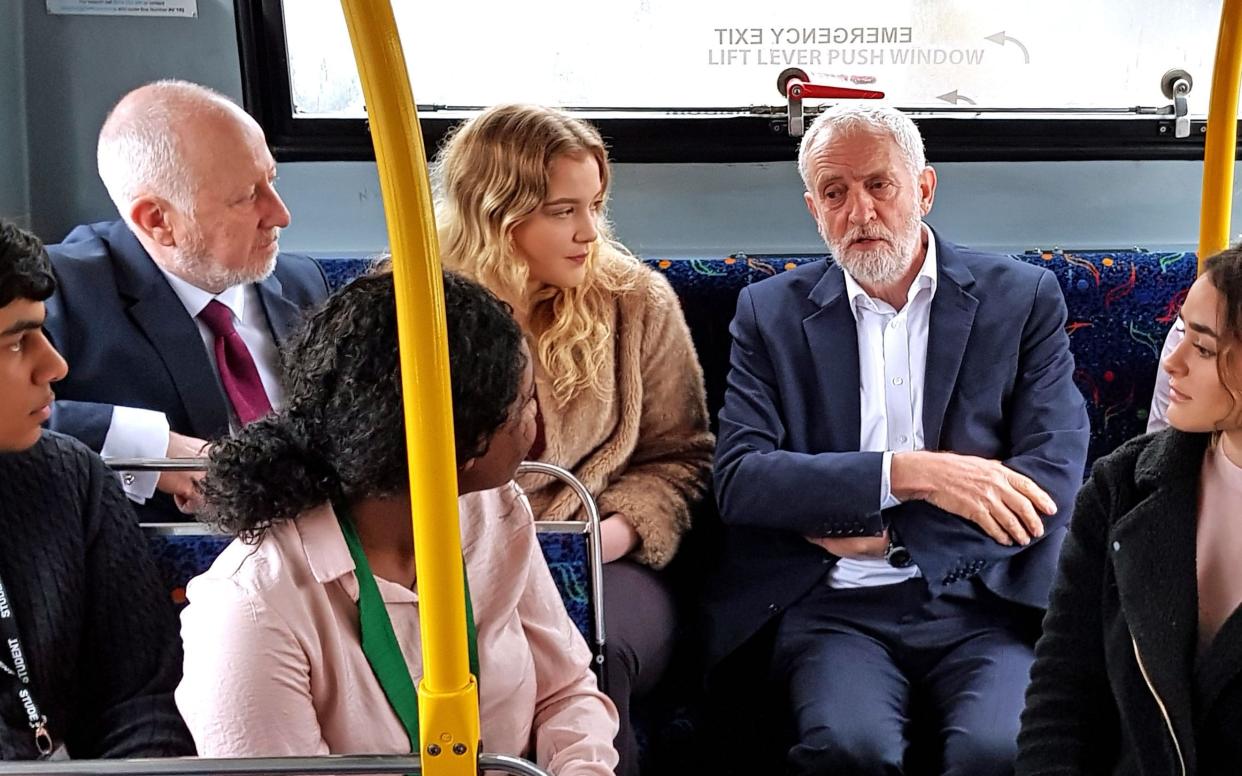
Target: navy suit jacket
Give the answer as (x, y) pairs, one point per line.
(999, 385)
(130, 342)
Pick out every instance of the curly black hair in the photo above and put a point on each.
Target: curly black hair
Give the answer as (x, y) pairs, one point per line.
(341, 433)
(25, 270)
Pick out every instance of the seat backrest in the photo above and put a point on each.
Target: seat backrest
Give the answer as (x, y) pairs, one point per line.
(567, 556)
(183, 551)
(1120, 304)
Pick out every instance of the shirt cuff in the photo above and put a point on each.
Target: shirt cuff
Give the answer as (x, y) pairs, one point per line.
(136, 433)
(887, 499)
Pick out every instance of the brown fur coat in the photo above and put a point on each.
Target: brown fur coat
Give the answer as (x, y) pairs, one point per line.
(645, 453)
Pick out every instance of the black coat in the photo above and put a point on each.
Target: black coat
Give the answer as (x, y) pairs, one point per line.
(1116, 687)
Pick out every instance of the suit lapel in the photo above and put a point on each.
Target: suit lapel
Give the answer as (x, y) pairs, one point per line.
(283, 316)
(159, 314)
(952, 317)
(832, 337)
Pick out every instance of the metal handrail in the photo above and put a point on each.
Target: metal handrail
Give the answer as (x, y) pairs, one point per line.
(156, 464)
(595, 552)
(257, 766)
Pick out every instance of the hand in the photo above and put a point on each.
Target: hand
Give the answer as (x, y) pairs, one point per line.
(870, 547)
(183, 485)
(1002, 502)
(618, 537)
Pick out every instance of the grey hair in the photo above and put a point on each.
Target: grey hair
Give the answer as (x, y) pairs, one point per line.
(846, 118)
(141, 150)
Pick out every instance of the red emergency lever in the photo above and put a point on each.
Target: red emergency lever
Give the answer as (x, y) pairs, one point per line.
(795, 85)
(802, 91)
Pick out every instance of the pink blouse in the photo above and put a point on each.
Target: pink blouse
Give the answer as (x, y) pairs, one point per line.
(1218, 543)
(274, 665)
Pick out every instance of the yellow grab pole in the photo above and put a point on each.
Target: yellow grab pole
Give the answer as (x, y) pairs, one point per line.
(1222, 135)
(448, 700)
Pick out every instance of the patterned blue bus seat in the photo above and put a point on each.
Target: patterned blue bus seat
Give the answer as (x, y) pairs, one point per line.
(1121, 304)
(181, 555)
(566, 554)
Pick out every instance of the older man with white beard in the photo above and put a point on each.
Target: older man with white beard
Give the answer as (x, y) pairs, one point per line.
(171, 317)
(913, 405)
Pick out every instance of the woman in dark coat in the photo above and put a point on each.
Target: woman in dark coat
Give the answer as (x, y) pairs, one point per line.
(1139, 670)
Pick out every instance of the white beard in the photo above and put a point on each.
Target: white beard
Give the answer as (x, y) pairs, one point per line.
(884, 263)
(196, 266)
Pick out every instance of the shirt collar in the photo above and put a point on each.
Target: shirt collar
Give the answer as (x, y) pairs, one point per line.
(329, 559)
(194, 299)
(927, 278)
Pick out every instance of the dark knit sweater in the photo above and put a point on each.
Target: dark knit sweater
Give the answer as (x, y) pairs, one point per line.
(98, 631)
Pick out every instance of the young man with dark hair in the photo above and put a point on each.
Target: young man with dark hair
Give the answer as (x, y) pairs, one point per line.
(89, 653)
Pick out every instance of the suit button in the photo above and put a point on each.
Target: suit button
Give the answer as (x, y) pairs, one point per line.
(773, 608)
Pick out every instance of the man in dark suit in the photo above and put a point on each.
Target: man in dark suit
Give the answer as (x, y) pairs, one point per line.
(171, 317)
(899, 450)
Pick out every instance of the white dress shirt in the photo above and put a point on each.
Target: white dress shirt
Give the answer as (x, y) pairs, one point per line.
(141, 433)
(892, 363)
(1158, 416)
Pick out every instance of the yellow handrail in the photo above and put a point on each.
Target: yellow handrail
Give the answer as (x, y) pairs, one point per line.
(448, 701)
(1222, 135)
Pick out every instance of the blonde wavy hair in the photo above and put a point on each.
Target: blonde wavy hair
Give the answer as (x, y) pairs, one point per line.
(492, 174)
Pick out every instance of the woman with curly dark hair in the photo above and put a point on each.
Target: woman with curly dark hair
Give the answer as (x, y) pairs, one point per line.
(317, 495)
(1139, 669)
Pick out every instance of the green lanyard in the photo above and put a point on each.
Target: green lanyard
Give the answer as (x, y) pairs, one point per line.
(379, 640)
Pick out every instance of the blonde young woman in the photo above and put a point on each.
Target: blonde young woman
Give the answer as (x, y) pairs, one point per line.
(522, 191)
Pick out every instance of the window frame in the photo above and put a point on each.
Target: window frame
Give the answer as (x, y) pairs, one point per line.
(949, 134)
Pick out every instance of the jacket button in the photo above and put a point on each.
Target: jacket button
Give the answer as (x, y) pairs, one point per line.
(773, 608)
(1116, 546)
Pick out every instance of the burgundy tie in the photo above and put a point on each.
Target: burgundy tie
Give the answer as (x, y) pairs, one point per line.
(237, 370)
